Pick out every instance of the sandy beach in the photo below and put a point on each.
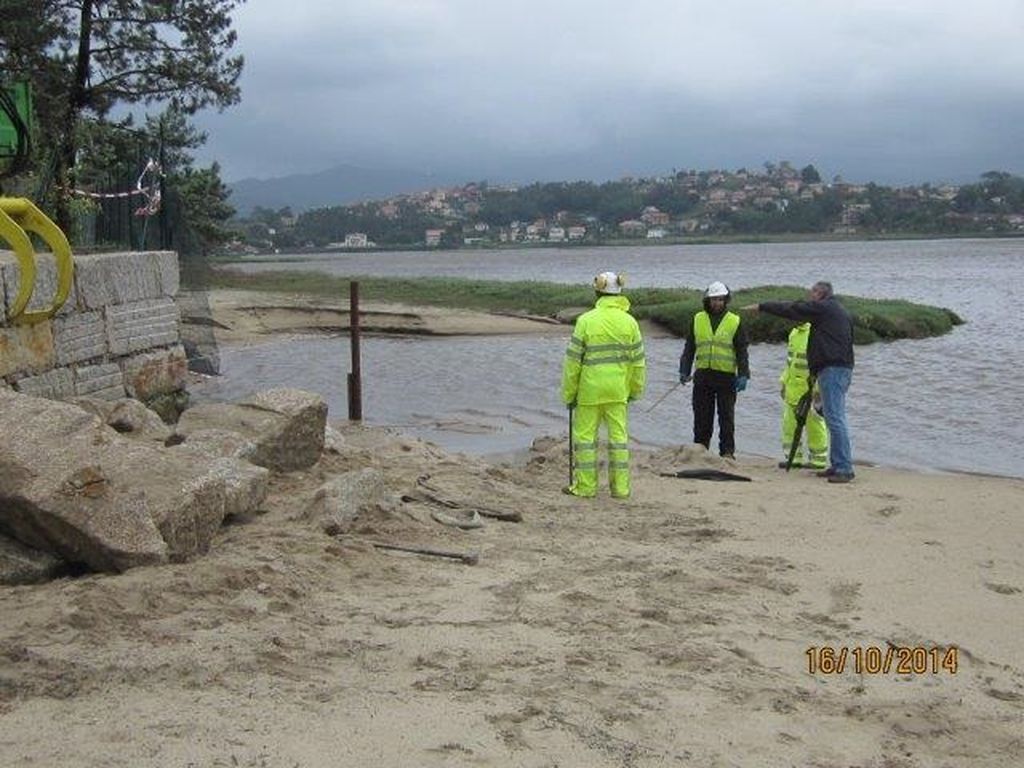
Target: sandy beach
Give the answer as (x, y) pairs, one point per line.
(684, 626)
(245, 316)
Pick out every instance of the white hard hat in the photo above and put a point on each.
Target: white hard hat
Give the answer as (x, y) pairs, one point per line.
(609, 282)
(716, 289)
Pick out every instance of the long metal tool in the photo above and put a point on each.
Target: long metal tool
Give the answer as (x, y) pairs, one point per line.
(675, 386)
(803, 407)
(469, 558)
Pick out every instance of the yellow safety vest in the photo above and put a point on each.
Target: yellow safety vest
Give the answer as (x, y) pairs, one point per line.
(714, 348)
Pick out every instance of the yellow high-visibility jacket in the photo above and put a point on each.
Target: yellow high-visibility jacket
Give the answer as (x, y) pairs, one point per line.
(604, 362)
(794, 376)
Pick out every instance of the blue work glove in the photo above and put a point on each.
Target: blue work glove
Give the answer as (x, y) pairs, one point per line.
(740, 384)
(684, 379)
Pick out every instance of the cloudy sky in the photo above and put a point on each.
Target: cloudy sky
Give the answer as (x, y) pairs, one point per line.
(893, 91)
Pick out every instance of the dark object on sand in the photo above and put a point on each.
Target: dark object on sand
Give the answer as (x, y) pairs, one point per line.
(707, 474)
(469, 558)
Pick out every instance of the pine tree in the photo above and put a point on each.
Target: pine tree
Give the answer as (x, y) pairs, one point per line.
(86, 57)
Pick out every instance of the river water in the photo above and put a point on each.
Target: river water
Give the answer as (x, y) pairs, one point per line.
(948, 403)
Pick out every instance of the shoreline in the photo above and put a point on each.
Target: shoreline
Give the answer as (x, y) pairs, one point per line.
(261, 256)
(239, 318)
(522, 455)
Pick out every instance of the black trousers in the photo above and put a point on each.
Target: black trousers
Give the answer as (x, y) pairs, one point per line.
(714, 390)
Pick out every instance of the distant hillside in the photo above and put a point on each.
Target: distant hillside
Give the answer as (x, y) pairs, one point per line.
(336, 186)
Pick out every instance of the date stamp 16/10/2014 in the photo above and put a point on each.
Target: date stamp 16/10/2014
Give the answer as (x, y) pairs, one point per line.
(874, 660)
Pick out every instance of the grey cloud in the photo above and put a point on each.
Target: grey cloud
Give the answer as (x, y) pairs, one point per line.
(915, 91)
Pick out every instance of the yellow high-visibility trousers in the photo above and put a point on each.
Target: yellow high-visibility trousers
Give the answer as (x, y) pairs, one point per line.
(587, 420)
(815, 436)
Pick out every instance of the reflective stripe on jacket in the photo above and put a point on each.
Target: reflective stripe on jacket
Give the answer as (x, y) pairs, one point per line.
(794, 377)
(604, 362)
(714, 348)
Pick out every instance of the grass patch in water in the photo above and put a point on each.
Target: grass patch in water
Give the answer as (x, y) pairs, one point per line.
(673, 308)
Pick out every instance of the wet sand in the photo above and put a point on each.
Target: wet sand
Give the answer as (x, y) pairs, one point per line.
(246, 316)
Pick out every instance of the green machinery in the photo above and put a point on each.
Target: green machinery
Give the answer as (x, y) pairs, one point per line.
(19, 216)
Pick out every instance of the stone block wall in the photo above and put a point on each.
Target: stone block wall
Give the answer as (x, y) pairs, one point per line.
(118, 334)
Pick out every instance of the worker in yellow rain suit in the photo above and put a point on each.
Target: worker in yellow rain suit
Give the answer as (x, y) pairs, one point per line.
(794, 385)
(604, 369)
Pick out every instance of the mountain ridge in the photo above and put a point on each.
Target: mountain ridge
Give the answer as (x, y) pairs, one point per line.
(338, 185)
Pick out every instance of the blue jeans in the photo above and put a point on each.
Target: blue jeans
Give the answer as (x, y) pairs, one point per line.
(833, 382)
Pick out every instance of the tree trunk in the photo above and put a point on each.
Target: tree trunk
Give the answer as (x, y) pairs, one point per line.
(77, 99)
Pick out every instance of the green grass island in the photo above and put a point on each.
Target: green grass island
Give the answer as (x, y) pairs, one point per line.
(671, 308)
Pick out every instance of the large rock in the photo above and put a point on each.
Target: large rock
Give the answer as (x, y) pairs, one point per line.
(340, 502)
(187, 496)
(245, 485)
(285, 426)
(127, 416)
(334, 441)
(73, 486)
(219, 443)
(157, 372)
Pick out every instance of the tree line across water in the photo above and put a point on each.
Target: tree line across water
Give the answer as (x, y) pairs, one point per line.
(685, 206)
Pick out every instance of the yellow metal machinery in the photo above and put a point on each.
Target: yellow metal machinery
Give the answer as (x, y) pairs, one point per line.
(19, 217)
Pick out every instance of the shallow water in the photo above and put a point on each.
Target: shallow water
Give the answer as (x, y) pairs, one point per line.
(946, 403)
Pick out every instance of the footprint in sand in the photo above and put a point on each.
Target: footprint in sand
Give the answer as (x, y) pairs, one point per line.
(1002, 589)
(844, 597)
(890, 511)
(995, 693)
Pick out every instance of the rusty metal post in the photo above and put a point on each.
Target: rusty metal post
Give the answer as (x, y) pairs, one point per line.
(355, 378)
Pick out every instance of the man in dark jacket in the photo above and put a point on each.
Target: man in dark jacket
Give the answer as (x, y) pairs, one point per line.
(830, 360)
(717, 341)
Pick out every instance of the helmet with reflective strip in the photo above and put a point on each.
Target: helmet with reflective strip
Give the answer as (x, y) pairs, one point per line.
(609, 283)
(716, 290)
